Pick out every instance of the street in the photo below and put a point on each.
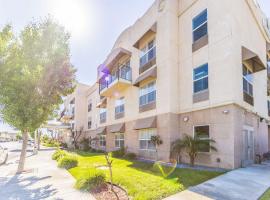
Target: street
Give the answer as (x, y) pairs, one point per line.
(14, 150)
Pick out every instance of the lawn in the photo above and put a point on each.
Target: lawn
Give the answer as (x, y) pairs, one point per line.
(266, 195)
(142, 180)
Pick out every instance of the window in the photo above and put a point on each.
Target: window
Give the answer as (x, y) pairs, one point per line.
(119, 140)
(120, 105)
(102, 140)
(268, 105)
(145, 139)
(247, 81)
(148, 93)
(200, 78)
(89, 105)
(125, 71)
(102, 114)
(89, 123)
(202, 132)
(148, 53)
(199, 24)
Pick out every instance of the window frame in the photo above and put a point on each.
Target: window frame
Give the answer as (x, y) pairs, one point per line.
(195, 126)
(119, 105)
(89, 121)
(147, 139)
(103, 113)
(142, 93)
(89, 106)
(195, 29)
(102, 141)
(248, 82)
(206, 76)
(117, 140)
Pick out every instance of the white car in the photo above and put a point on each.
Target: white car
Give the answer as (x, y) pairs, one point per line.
(3, 155)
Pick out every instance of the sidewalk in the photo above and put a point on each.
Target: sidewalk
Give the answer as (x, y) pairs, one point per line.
(43, 180)
(240, 184)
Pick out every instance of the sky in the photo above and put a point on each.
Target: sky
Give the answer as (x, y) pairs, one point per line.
(94, 25)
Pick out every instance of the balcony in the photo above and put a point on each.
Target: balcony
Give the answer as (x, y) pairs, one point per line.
(115, 82)
(148, 60)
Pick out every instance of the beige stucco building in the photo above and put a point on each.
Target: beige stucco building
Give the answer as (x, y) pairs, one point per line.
(196, 67)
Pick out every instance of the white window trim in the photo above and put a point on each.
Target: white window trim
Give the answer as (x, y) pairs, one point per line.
(147, 140)
(206, 76)
(119, 139)
(146, 46)
(250, 82)
(193, 30)
(103, 139)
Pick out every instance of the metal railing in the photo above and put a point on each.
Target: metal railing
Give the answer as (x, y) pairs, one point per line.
(122, 73)
(148, 56)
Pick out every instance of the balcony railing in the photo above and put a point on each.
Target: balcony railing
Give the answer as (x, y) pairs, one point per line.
(123, 73)
(148, 56)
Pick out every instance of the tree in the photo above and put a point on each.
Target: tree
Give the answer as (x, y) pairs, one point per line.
(176, 149)
(193, 145)
(109, 164)
(35, 74)
(76, 136)
(156, 140)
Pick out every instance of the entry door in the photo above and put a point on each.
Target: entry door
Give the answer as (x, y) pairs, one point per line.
(248, 145)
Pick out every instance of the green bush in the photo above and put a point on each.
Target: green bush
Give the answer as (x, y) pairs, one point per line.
(85, 144)
(95, 178)
(58, 154)
(119, 153)
(64, 145)
(99, 151)
(68, 162)
(130, 156)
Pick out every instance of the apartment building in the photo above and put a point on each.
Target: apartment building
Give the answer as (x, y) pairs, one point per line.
(196, 67)
(74, 113)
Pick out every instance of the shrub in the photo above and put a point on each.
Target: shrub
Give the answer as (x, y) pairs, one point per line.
(95, 178)
(85, 144)
(99, 151)
(58, 154)
(119, 153)
(64, 145)
(68, 162)
(130, 156)
(266, 155)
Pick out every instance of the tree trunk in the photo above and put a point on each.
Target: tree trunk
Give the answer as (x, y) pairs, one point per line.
(38, 140)
(23, 152)
(192, 160)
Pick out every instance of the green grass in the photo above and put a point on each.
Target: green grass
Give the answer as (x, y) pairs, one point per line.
(266, 195)
(142, 180)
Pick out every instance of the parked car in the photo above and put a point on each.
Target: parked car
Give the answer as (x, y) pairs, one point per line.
(3, 155)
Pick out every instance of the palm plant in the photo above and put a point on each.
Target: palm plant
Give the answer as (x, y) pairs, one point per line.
(193, 145)
(176, 149)
(156, 140)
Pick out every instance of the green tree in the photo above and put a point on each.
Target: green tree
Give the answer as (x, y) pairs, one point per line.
(176, 149)
(35, 73)
(156, 140)
(193, 145)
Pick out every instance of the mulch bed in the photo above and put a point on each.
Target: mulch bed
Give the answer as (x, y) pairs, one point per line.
(104, 193)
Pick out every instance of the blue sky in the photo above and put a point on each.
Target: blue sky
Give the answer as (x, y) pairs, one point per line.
(94, 24)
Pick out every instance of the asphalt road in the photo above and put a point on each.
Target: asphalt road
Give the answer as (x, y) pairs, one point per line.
(14, 150)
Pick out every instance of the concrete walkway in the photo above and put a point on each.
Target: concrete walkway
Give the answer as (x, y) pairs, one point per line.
(241, 184)
(43, 180)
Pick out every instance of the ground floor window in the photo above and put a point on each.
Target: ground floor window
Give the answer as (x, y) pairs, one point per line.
(145, 139)
(119, 140)
(102, 140)
(202, 132)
